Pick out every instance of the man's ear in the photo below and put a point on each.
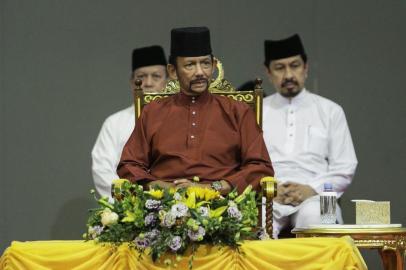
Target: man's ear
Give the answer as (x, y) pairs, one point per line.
(172, 72)
(132, 81)
(214, 65)
(268, 73)
(267, 70)
(306, 69)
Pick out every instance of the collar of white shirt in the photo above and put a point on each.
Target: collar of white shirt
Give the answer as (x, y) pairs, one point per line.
(298, 99)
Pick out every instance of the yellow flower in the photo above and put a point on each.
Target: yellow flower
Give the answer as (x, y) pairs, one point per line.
(211, 194)
(156, 193)
(191, 200)
(172, 190)
(197, 191)
(218, 211)
(203, 193)
(129, 216)
(119, 182)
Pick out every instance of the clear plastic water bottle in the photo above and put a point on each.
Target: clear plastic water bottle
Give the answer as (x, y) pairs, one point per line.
(328, 201)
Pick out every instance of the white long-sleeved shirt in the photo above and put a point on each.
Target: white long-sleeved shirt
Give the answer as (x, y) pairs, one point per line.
(309, 141)
(106, 152)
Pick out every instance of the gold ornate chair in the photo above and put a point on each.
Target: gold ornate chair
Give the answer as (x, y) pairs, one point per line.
(221, 86)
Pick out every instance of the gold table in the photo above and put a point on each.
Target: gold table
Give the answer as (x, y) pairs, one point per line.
(390, 241)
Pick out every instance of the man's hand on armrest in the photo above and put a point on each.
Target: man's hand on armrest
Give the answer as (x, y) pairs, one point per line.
(161, 184)
(225, 187)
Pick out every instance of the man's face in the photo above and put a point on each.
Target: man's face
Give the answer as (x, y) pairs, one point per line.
(153, 78)
(194, 73)
(288, 75)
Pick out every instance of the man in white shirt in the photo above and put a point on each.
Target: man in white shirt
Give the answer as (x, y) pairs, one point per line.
(307, 137)
(148, 65)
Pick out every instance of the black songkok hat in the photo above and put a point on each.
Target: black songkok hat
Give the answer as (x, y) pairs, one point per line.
(148, 56)
(278, 49)
(190, 41)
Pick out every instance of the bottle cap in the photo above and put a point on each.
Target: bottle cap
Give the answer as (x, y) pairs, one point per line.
(328, 187)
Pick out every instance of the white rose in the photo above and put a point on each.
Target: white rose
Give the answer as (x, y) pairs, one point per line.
(108, 217)
(90, 230)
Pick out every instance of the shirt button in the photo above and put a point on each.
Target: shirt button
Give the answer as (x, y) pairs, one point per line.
(291, 112)
(193, 101)
(291, 124)
(192, 136)
(193, 124)
(290, 135)
(193, 112)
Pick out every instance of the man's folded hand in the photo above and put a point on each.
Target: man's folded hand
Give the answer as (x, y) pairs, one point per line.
(293, 193)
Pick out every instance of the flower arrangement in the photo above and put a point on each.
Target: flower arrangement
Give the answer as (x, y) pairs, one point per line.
(161, 220)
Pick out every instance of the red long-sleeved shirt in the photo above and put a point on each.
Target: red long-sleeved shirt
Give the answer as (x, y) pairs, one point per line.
(209, 136)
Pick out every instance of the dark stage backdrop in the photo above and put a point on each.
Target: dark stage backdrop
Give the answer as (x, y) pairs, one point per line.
(64, 67)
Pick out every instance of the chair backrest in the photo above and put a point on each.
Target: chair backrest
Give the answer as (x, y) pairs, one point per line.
(218, 86)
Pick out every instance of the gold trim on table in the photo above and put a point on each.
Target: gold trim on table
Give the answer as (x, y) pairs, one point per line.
(390, 241)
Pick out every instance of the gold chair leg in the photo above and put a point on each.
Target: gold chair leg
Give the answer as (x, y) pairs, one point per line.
(268, 185)
(269, 218)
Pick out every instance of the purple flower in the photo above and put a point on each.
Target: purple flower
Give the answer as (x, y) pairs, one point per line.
(98, 229)
(179, 210)
(196, 235)
(95, 231)
(175, 243)
(233, 212)
(152, 235)
(152, 204)
(150, 219)
(142, 242)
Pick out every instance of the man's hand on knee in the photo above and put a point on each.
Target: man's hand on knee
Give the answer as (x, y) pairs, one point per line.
(294, 193)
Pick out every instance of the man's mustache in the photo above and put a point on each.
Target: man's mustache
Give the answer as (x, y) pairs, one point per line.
(200, 80)
(285, 82)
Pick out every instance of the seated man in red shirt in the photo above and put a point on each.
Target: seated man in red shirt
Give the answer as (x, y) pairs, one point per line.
(195, 133)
